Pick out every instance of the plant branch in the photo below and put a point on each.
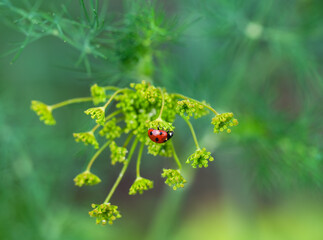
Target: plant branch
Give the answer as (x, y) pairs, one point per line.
(95, 156)
(123, 170)
(192, 131)
(70, 101)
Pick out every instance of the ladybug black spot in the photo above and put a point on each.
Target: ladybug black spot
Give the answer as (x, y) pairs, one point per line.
(160, 133)
(151, 133)
(157, 139)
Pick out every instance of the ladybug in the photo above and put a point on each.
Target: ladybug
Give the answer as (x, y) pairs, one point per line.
(159, 136)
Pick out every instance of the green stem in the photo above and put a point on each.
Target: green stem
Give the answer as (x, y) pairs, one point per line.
(111, 88)
(88, 168)
(70, 101)
(139, 159)
(192, 131)
(123, 170)
(113, 95)
(85, 11)
(128, 140)
(162, 107)
(205, 105)
(176, 157)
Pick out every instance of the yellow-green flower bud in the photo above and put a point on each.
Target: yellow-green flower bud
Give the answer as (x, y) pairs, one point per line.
(223, 121)
(190, 108)
(118, 154)
(98, 94)
(140, 185)
(111, 130)
(97, 113)
(86, 138)
(173, 178)
(200, 158)
(44, 112)
(86, 178)
(105, 213)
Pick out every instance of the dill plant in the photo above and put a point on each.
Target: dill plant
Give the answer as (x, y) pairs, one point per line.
(131, 47)
(138, 107)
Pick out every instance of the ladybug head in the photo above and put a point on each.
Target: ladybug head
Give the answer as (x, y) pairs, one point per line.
(169, 134)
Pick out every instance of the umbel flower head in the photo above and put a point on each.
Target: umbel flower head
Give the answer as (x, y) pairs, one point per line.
(105, 213)
(223, 121)
(118, 154)
(44, 112)
(111, 130)
(190, 107)
(173, 178)
(86, 178)
(97, 114)
(98, 94)
(161, 124)
(86, 138)
(161, 149)
(200, 158)
(140, 185)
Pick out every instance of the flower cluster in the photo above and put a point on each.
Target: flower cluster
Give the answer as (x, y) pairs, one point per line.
(111, 130)
(161, 149)
(140, 107)
(97, 113)
(223, 121)
(86, 138)
(162, 125)
(173, 178)
(200, 158)
(118, 154)
(105, 213)
(186, 108)
(86, 178)
(43, 111)
(98, 94)
(140, 185)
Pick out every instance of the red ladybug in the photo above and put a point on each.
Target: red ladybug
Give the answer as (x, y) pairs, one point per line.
(159, 136)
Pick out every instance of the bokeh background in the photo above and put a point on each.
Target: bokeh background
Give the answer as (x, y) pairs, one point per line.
(261, 60)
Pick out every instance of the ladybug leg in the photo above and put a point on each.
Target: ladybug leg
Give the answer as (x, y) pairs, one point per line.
(158, 127)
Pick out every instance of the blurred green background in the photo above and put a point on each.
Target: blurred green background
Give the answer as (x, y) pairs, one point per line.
(261, 60)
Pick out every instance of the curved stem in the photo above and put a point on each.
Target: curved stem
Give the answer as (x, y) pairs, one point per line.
(176, 157)
(192, 131)
(123, 170)
(111, 88)
(112, 97)
(204, 104)
(163, 101)
(70, 101)
(88, 168)
(139, 159)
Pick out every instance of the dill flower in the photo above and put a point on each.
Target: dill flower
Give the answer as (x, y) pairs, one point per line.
(98, 94)
(161, 149)
(187, 108)
(86, 138)
(86, 178)
(140, 185)
(223, 121)
(173, 178)
(105, 213)
(44, 112)
(200, 158)
(161, 124)
(118, 154)
(97, 113)
(111, 130)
